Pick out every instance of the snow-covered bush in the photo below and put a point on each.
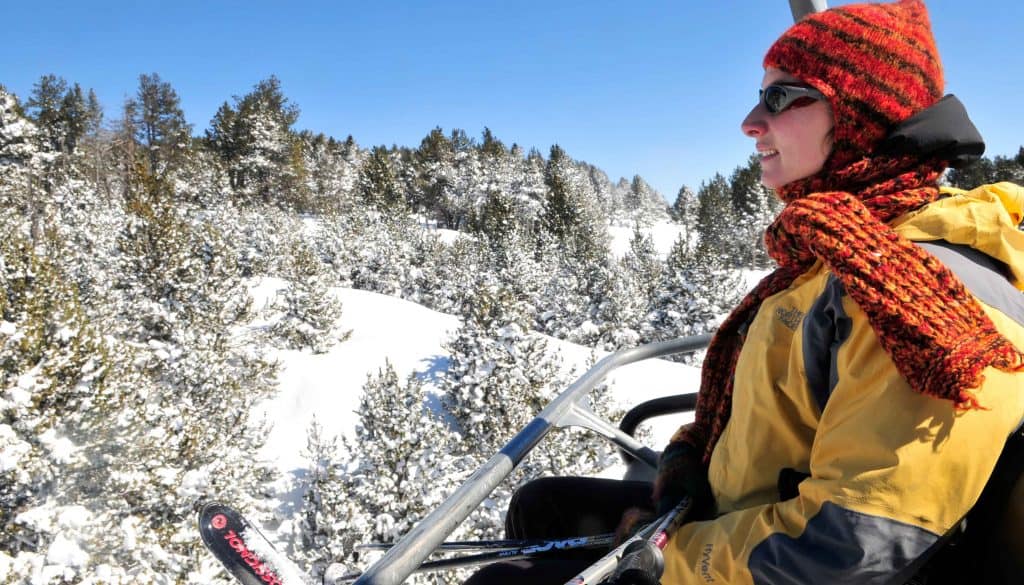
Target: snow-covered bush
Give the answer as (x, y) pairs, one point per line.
(305, 312)
(401, 463)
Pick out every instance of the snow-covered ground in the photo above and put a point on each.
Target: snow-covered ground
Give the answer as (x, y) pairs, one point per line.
(327, 387)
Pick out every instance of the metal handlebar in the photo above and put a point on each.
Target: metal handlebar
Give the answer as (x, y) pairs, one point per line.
(402, 560)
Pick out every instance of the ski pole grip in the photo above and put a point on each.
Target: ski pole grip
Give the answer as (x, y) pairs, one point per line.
(642, 564)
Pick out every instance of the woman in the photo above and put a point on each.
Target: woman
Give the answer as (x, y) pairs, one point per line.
(854, 405)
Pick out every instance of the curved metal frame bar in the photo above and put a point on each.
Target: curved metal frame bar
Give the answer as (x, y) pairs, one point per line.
(568, 409)
(565, 410)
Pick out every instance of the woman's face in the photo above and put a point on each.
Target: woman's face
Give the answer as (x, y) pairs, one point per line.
(794, 143)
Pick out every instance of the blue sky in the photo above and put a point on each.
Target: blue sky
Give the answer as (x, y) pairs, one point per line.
(656, 88)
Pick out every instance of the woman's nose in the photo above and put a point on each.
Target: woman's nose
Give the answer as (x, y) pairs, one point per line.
(754, 125)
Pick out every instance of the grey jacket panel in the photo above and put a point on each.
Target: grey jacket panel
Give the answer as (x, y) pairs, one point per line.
(826, 325)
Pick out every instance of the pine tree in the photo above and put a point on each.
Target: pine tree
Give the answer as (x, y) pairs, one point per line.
(695, 293)
(496, 219)
(500, 376)
(159, 124)
(260, 151)
(490, 146)
(714, 217)
(44, 106)
(307, 311)
(566, 216)
(642, 265)
(433, 163)
(398, 467)
(61, 113)
(684, 212)
(27, 173)
(377, 182)
(20, 159)
(640, 194)
(331, 175)
(52, 362)
(754, 207)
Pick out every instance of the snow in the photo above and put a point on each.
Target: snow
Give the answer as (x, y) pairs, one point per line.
(61, 449)
(66, 552)
(327, 387)
(662, 234)
(278, 563)
(12, 449)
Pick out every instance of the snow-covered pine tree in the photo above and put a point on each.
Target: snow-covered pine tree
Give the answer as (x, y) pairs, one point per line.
(25, 169)
(400, 464)
(612, 306)
(377, 184)
(331, 175)
(642, 267)
(684, 213)
(754, 207)
(258, 147)
(306, 311)
(499, 377)
(52, 360)
(380, 261)
(433, 166)
(715, 218)
(696, 292)
(183, 427)
(643, 204)
(567, 216)
(45, 108)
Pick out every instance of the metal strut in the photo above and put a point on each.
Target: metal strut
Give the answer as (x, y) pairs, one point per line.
(802, 8)
(402, 560)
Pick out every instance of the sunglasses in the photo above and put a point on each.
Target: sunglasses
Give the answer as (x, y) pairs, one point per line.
(779, 96)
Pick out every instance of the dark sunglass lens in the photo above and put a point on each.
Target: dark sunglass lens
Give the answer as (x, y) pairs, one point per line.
(774, 99)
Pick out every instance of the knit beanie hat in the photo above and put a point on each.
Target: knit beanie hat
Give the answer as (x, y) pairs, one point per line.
(877, 65)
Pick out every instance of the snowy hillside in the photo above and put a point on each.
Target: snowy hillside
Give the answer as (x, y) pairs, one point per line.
(181, 312)
(327, 386)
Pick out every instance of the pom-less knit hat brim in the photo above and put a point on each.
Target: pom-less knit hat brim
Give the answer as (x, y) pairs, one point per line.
(877, 64)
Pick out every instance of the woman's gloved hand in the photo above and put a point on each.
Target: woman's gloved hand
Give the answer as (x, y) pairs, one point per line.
(633, 519)
(681, 473)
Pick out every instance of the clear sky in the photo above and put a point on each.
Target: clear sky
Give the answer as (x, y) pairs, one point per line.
(651, 87)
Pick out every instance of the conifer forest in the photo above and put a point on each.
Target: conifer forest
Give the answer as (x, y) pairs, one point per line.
(132, 353)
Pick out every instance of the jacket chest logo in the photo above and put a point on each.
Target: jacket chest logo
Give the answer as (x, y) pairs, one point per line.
(789, 317)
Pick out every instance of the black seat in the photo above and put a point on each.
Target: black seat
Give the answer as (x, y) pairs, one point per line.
(990, 547)
(635, 469)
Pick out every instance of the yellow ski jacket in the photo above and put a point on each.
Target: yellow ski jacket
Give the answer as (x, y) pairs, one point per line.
(889, 470)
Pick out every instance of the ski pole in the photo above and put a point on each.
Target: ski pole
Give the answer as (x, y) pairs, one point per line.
(533, 549)
(595, 541)
(638, 560)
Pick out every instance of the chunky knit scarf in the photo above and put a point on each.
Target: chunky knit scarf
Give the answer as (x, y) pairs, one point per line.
(935, 331)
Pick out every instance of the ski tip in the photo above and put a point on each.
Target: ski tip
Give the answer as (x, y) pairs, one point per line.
(242, 549)
(215, 518)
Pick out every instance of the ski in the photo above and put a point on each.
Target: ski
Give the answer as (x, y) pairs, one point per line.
(244, 551)
(537, 545)
(495, 551)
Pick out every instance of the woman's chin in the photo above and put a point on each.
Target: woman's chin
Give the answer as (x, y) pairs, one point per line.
(770, 181)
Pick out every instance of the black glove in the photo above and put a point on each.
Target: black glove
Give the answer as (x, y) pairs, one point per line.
(680, 474)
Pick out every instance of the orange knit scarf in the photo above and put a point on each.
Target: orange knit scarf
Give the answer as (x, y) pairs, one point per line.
(935, 331)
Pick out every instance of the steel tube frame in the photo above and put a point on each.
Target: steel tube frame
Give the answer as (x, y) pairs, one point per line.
(566, 409)
(801, 8)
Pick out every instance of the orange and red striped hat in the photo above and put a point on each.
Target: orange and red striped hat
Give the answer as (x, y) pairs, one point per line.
(877, 65)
